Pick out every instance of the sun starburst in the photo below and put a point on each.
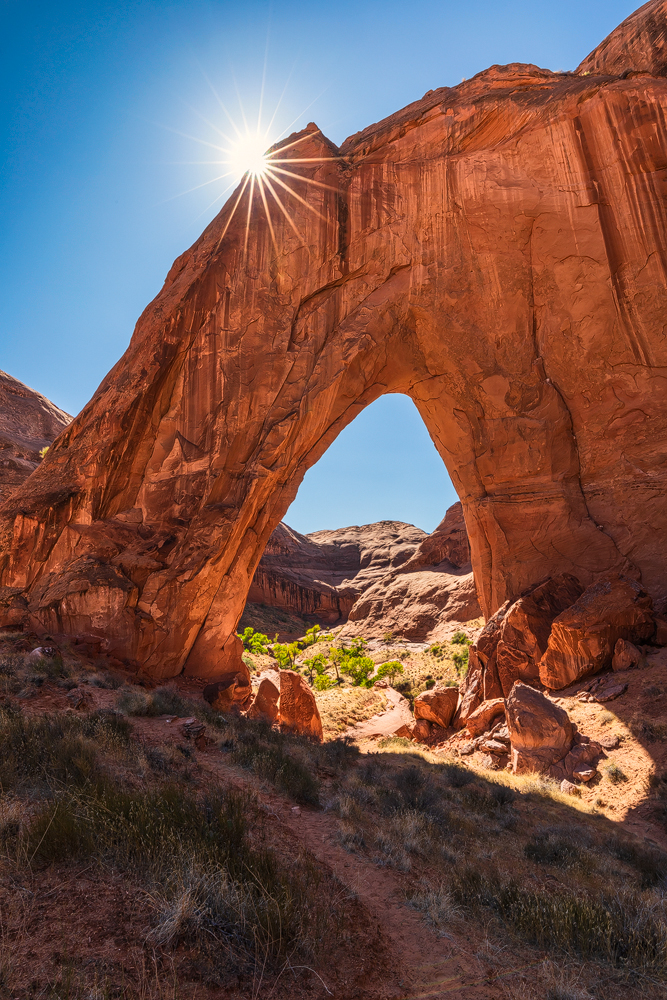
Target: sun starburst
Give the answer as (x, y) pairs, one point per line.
(252, 158)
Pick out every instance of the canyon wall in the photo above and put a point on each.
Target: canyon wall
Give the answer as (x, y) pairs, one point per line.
(496, 251)
(29, 422)
(324, 573)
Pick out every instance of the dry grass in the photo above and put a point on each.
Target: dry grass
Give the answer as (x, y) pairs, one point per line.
(494, 854)
(342, 707)
(77, 791)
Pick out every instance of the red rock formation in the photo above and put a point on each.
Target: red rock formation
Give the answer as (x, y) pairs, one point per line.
(437, 705)
(265, 703)
(324, 573)
(424, 598)
(29, 422)
(525, 629)
(495, 250)
(297, 709)
(583, 638)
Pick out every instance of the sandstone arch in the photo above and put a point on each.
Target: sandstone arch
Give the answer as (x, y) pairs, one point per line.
(496, 251)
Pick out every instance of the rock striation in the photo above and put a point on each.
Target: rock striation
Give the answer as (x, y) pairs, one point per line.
(425, 597)
(29, 422)
(495, 250)
(583, 637)
(324, 573)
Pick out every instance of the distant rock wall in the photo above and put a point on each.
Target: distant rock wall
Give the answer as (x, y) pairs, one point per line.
(324, 573)
(383, 577)
(29, 422)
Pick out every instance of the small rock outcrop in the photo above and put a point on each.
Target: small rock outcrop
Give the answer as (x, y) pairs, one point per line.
(484, 715)
(231, 692)
(265, 702)
(29, 422)
(541, 733)
(525, 629)
(437, 705)
(381, 578)
(298, 711)
(428, 596)
(583, 637)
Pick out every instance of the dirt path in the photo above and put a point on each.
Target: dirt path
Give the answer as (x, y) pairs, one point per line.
(426, 966)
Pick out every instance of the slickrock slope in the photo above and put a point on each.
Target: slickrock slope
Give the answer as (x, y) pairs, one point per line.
(324, 573)
(424, 598)
(497, 251)
(28, 423)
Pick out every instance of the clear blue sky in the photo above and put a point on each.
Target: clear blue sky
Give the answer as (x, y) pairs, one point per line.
(94, 95)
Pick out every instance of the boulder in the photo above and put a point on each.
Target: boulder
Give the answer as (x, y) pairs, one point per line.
(265, 702)
(541, 733)
(437, 705)
(583, 637)
(45, 657)
(569, 788)
(230, 692)
(525, 629)
(421, 730)
(480, 720)
(626, 656)
(298, 711)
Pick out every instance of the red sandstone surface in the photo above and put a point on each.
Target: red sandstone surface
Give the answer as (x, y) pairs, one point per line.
(496, 251)
(28, 423)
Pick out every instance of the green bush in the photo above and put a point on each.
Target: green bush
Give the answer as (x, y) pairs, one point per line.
(254, 642)
(391, 669)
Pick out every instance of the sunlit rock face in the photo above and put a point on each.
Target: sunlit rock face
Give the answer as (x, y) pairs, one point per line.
(29, 422)
(323, 573)
(496, 251)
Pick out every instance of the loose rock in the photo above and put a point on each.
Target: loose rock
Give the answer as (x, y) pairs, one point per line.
(437, 705)
(569, 788)
(626, 656)
(540, 732)
(482, 717)
(298, 711)
(583, 638)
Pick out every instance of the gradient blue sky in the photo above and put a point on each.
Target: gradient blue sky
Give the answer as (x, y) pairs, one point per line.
(95, 95)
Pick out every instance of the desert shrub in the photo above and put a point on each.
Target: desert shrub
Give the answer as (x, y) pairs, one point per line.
(460, 639)
(212, 886)
(55, 750)
(323, 682)
(254, 642)
(550, 849)
(650, 864)
(615, 774)
(436, 905)
(649, 729)
(275, 757)
(163, 701)
(623, 931)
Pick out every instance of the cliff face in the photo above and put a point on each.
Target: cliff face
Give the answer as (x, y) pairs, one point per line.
(380, 578)
(497, 251)
(427, 596)
(324, 573)
(28, 423)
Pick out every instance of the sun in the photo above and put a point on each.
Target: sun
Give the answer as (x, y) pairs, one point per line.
(247, 155)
